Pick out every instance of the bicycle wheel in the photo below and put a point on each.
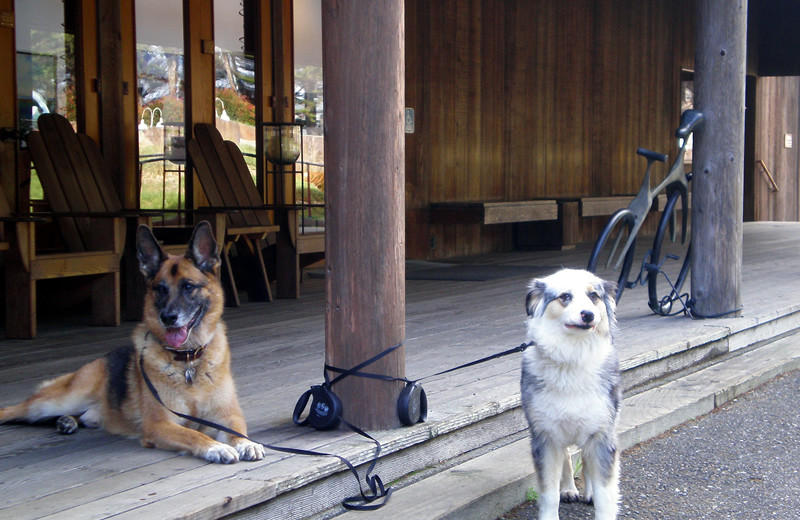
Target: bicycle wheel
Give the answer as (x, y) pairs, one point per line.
(668, 264)
(605, 255)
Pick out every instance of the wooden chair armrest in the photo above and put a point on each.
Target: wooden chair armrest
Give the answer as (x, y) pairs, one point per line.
(83, 214)
(268, 207)
(251, 230)
(22, 218)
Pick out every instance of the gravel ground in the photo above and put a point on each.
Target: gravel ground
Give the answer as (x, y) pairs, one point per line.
(738, 462)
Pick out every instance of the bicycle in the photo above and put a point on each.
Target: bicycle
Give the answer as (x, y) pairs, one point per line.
(625, 224)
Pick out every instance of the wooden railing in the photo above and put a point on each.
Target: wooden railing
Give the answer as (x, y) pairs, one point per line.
(773, 186)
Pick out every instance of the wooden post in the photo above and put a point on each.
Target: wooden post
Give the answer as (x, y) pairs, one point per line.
(287, 283)
(112, 122)
(719, 157)
(198, 53)
(8, 109)
(364, 66)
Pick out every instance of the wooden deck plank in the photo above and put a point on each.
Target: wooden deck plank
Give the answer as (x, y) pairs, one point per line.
(278, 352)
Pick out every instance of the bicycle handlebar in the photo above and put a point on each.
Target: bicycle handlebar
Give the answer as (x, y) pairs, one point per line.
(651, 156)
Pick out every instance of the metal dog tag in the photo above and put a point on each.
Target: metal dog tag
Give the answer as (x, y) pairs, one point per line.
(189, 374)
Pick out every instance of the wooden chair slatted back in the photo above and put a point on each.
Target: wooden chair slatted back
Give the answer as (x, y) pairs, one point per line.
(5, 207)
(222, 169)
(5, 211)
(108, 197)
(71, 171)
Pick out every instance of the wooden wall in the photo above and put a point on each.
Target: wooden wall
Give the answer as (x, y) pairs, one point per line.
(778, 102)
(523, 99)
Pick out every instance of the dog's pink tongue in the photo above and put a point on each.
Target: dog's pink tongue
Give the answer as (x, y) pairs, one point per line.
(176, 336)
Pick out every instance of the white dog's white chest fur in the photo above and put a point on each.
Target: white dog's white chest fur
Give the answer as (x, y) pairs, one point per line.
(571, 402)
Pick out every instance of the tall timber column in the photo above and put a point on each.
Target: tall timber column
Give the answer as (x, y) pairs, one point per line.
(364, 85)
(718, 164)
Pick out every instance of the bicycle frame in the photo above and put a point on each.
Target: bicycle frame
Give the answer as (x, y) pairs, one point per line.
(676, 179)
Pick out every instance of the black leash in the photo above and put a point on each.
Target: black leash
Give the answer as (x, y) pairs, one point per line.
(685, 299)
(355, 371)
(412, 403)
(377, 490)
(356, 503)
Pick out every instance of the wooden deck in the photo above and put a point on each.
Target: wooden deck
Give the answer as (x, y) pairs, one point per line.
(278, 352)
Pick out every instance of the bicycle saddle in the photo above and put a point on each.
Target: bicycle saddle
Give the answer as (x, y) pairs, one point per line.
(690, 119)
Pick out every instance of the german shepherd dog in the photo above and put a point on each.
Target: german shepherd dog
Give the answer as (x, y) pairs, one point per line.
(571, 390)
(182, 347)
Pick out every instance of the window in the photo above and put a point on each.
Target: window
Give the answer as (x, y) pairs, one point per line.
(687, 102)
(309, 109)
(160, 90)
(234, 82)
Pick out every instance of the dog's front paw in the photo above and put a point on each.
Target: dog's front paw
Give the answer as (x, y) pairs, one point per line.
(570, 496)
(250, 450)
(221, 454)
(66, 425)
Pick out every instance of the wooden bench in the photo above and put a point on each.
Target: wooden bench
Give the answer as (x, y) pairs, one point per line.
(570, 212)
(606, 206)
(493, 212)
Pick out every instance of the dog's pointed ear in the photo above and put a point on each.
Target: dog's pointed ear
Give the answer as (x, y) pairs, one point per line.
(148, 252)
(203, 248)
(610, 300)
(535, 296)
(610, 288)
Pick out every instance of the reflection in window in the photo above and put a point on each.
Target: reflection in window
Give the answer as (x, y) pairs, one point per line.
(234, 81)
(687, 102)
(308, 109)
(45, 42)
(160, 90)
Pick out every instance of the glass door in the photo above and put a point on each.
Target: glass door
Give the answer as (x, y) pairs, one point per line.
(161, 104)
(45, 75)
(308, 104)
(234, 78)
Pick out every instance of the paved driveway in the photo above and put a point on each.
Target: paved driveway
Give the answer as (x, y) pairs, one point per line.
(739, 462)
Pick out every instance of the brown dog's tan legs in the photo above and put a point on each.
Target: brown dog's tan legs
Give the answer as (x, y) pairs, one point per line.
(167, 435)
(247, 449)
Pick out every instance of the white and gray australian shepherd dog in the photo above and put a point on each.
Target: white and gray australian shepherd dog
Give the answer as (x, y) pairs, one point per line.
(571, 389)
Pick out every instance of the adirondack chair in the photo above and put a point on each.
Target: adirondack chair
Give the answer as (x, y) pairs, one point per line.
(86, 209)
(229, 187)
(5, 212)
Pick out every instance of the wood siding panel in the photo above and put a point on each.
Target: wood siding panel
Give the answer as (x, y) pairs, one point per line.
(418, 169)
(778, 115)
(520, 99)
(570, 73)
